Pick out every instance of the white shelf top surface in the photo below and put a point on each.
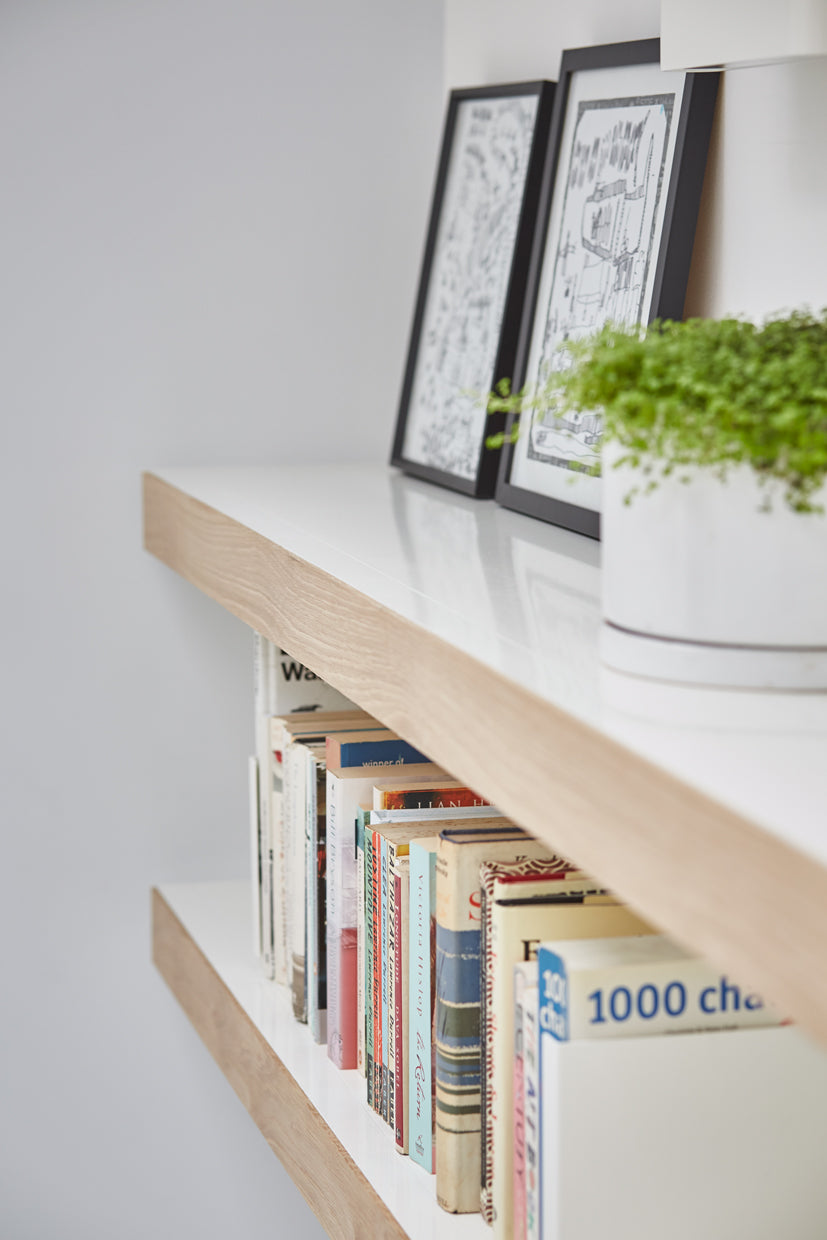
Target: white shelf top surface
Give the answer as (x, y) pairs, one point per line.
(218, 917)
(523, 598)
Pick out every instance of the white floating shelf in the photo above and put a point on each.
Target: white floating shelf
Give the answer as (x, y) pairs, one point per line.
(702, 34)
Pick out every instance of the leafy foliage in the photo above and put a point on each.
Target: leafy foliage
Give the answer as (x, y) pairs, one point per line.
(710, 393)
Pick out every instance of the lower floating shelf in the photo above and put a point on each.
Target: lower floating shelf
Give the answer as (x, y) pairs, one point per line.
(313, 1116)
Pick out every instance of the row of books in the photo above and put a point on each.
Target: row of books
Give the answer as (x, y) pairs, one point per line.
(438, 950)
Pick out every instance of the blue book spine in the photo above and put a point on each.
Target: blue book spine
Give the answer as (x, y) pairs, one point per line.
(553, 1022)
(387, 752)
(458, 957)
(422, 908)
(554, 995)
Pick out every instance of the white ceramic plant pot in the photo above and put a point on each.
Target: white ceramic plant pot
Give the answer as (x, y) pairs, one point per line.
(700, 585)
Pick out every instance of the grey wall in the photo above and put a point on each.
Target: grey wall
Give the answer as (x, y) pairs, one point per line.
(211, 217)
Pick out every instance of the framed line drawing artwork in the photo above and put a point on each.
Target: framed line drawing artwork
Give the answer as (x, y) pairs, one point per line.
(472, 282)
(619, 201)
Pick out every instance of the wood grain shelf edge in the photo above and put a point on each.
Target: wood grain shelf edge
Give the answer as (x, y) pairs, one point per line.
(329, 1180)
(740, 896)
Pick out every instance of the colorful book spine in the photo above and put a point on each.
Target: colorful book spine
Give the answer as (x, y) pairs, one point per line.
(401, 993)
(383, 974)
(422, 950)
(367, 846)
(457, 1032)
(377, 972)
(346, 791)
(443, 796)
(361, 945)
(390, 975)
(378, 750)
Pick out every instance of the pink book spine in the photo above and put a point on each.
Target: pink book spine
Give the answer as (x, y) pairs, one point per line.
(341, 1044)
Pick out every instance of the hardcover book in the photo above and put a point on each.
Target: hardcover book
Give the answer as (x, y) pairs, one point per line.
(457, 1032)
(522, 905)
(417, 795)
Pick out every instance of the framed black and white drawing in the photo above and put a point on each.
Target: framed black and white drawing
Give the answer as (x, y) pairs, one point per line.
(472, 283)
(619, 200)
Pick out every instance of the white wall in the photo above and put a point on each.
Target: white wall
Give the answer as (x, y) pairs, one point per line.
(761, 244)
(211, 218)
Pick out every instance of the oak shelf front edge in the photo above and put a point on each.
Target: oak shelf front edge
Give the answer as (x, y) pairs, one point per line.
(329, 1180)
(741, 896)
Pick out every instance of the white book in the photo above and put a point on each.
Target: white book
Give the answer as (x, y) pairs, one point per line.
(255, 853)
(522, 905)
(640, 987)
(531, 1090)
(524, 1130)
(712, 1135)
(434, 815)
(263, 710)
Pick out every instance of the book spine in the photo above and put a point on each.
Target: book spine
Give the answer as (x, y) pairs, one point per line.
(368, 880)
(296, 781)
(262, 712)
(384, 977)
(388, 751)
(531, 1085)
(684, 995)
(311, 963)
(377, 972)
(401, 998)
(333, 933)
(488, 1017)
(360, 943)
(278, 859)
(457, 1036)
(420, 1010)
(341, 921)
(518, 1091)
(391, 972)
(255, 850)
(427, 798)
(317, 864)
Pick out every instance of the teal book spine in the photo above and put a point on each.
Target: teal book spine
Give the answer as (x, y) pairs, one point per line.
(421, 948)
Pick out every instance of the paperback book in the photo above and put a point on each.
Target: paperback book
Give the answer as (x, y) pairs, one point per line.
(421, 984)
(347, 789)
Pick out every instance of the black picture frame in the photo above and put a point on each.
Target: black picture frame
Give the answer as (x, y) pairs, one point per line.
(469, 302)
(685, 131)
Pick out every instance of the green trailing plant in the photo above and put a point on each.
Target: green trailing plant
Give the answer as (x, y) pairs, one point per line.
(704, 393)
